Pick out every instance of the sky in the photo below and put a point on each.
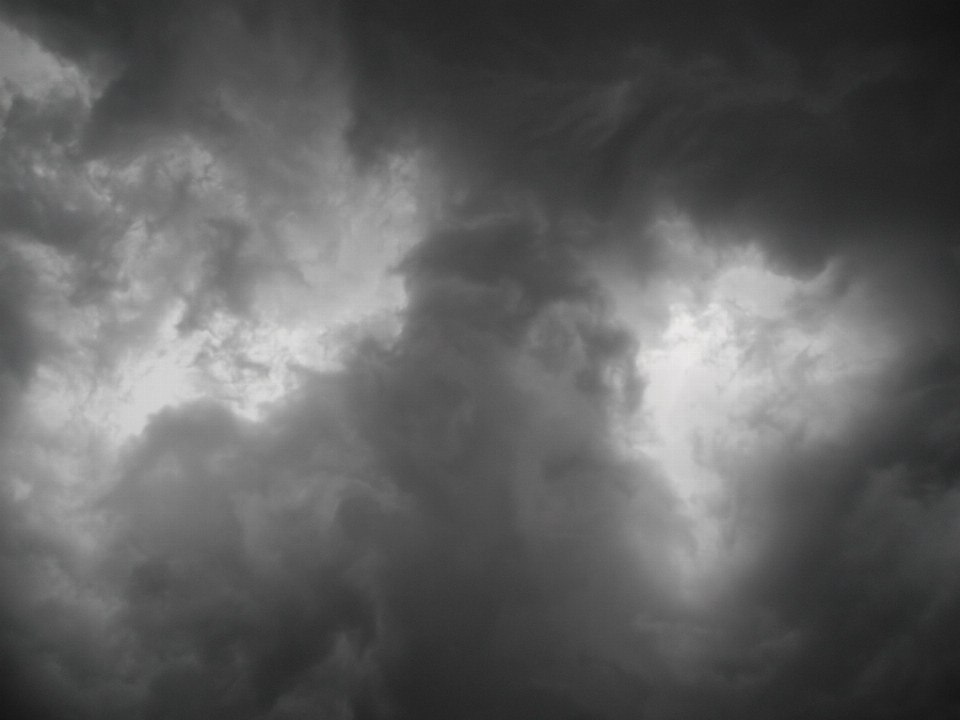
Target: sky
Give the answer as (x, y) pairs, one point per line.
(421, 360)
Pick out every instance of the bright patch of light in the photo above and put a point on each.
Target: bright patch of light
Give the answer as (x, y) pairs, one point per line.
(26, 68)
(743, 361)
(167, 333)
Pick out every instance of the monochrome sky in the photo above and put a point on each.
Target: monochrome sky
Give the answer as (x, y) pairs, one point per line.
(429, 360)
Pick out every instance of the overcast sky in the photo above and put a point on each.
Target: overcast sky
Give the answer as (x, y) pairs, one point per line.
(435, 360)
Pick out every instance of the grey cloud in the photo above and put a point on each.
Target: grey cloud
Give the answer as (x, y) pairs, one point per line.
(441, 528)
(169, 215)
(445, 528)
(229, 588)
(512, 591)
(254, 85)
(848, 543)
(18, 342)
(44, 196)
(810, 129)
(229, 273)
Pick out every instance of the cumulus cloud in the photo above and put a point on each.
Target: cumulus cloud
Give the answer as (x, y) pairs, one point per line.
(427, 360)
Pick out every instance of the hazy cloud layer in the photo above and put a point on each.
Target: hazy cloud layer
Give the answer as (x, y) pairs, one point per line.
(474, 360)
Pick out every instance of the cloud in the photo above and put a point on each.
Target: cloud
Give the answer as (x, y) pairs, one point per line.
(396, 360)
(806, 140)
(438, 527)
(515, 573)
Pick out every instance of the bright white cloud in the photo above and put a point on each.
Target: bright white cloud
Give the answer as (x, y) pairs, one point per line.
(740, 364)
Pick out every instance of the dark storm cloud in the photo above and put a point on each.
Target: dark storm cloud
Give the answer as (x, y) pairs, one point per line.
(817, 132)
(190, 211)
(227, 582)
(509, 590)
(808, 126)
(17, 352)
(37, 134)
(442, 529)
(85, 190)
(236, 574)
(811, 126)
(253, 81)
(445, 529)
(856, 550)
(17, 341)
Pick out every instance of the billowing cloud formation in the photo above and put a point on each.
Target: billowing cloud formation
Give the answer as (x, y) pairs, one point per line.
(427, 360)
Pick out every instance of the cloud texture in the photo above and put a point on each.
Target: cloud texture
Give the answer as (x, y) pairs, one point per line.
(411, 360)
